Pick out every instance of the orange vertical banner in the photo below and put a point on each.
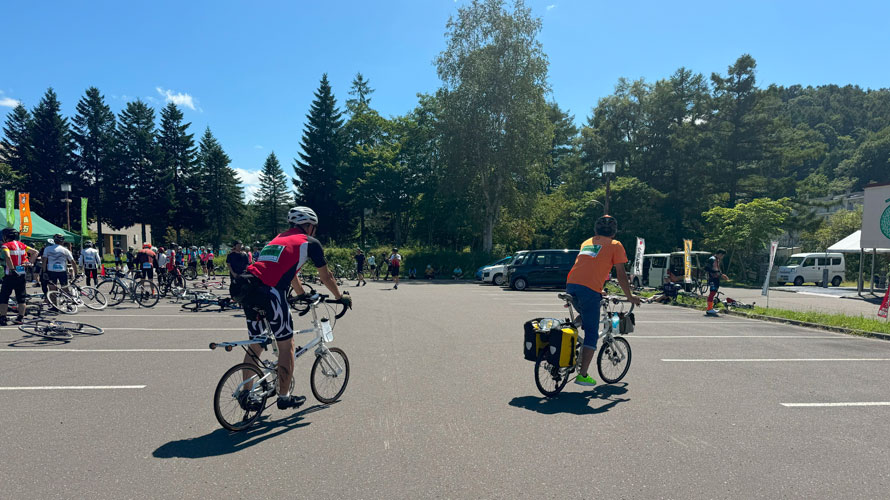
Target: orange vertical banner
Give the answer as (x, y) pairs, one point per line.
(25, 226)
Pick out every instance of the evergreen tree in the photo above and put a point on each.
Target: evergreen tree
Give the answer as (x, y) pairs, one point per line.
(318, 169)
(221, 191)
(273, 198)
(93, 131)
(15, 148)
(52, 149)
(361, 91)
(135, 172)
(178, 171)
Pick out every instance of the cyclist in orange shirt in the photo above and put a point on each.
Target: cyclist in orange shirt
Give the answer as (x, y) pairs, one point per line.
(585, 284)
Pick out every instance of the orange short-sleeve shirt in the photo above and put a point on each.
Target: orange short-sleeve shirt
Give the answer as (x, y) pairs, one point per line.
(595, 261)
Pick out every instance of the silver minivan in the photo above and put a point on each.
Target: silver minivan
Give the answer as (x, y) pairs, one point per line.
(809, 268)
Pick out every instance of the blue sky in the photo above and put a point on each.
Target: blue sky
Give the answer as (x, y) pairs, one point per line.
(248, 69)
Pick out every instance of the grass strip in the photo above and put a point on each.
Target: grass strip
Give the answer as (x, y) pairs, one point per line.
(858, 323)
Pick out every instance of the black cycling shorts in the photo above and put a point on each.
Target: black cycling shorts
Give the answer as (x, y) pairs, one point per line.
(394, 271)
(60, 277)
(12, 283)
(274, 302)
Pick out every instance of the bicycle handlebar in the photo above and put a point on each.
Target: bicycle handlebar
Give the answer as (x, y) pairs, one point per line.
(310, 300)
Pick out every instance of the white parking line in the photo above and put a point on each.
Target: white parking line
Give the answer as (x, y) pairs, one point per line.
(768, 360)
(822, 405)
(70, 387)
(31, 349)
(820, 295)
(834, 337)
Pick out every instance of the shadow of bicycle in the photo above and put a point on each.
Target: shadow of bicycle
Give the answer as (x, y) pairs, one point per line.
(222, 442)
(578, 403)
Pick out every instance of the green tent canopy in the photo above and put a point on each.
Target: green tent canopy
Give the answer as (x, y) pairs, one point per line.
(42, 229)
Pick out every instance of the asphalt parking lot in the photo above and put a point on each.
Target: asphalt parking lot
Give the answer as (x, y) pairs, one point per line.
(441, 404)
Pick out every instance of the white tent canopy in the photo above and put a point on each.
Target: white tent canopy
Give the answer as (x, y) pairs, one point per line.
(850, 244)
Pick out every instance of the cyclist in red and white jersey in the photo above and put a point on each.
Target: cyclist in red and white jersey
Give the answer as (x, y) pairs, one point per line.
(277, 269)
(15, 255)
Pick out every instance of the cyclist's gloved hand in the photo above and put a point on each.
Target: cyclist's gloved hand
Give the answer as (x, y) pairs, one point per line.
(304, 297)
(345, 299)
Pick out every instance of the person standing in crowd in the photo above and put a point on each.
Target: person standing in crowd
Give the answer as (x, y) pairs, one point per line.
(118, 256)
(90, 261)
(714, 275)
(372, 265)
(145, 261)
(360, 268)
(210, 266)
(237, 260)
(16, 257)
(395, 263)
(57, 257)
(163, 260)
(131, 259)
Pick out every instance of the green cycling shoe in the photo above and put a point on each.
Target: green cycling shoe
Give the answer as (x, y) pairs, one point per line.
(582, 380)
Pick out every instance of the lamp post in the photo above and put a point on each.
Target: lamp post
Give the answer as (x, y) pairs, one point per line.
(608, 168)
(66, 188)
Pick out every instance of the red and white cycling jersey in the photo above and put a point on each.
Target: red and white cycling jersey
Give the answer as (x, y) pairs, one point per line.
(284, 256)
(18, 253)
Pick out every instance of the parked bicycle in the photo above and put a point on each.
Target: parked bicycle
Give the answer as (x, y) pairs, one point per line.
(69, 299)
(58, 330)
(247, 383)
(730, 303)
(210, 302)
(613, 359)
(117, 288)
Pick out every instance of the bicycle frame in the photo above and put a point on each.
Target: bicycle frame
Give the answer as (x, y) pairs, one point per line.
(323, 334)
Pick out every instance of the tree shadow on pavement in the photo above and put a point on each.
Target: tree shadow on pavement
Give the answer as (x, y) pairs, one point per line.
(578, 403)
(223, 442)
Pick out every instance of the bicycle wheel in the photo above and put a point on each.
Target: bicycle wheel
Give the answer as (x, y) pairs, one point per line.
(550, 379)
(232, 391)
(330, 374)
(80, 328)
(191, 273)
(613, 360)
(61, 302)
(146, 293)
(196, 305)
(46, 329)
(93, 298)
(114, 291)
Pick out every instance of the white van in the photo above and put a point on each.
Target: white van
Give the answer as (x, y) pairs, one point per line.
(657, 265)
(808, 268)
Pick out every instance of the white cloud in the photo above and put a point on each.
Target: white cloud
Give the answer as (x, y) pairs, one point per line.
(551, 6)
(178, 98)
(8, 102)
(250, 181)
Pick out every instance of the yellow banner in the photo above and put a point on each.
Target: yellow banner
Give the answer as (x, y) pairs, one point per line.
(25, 226)
(687, 261)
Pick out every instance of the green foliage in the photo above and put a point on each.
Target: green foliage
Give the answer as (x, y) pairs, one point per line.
(179, 174)
(93, 130)
(9, 178)
(745, 229)
(273, 199)
(837, 226)
(51, 149)
(318, 169)
(221, 192)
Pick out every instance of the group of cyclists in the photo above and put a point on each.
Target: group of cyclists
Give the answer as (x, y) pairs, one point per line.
(169, 259)
(393, 265)
(261, 279)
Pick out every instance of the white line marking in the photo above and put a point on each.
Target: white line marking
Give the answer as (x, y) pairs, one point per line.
(818, 405)
(737, 337)
(70, 387)
(768, 360)
(31, 349)
(820, 294)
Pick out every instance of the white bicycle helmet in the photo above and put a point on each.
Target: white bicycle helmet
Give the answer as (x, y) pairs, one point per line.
(302, 215)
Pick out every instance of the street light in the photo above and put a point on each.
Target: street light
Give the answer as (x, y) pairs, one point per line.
(66, 188)
(608, 168)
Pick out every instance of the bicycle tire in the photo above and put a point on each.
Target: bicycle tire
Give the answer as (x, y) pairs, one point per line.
(190, 273)
(146, 293)
(61, 302)
(113, 290)
(93, 298)
(620, 347)
(559, 382)
(46, 329)
(195, 305)
(329, 377)
(226, 407)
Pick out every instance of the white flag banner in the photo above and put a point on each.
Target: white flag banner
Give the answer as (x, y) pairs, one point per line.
(638, 259)
(773, 245)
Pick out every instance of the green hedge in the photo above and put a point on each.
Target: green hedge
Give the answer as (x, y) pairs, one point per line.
(444, 261)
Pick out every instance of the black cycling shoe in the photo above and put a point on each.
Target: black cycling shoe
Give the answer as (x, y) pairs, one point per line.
(249, 404)
(3, 321)
(290, 402)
